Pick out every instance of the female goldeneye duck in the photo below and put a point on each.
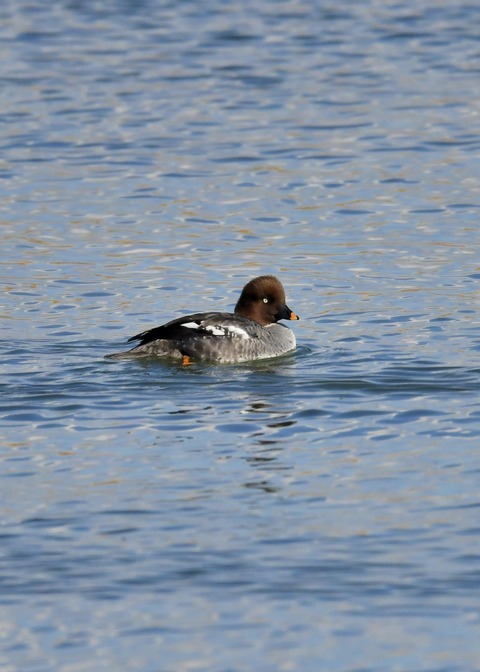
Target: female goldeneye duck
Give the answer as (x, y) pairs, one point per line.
(251, 332)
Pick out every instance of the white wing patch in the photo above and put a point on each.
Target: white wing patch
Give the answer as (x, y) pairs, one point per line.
(237, 331)
(216, 330)
(191, 325)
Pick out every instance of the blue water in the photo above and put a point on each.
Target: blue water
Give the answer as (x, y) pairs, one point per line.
(315, 512)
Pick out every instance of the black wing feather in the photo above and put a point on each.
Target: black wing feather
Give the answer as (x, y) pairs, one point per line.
(175, 329)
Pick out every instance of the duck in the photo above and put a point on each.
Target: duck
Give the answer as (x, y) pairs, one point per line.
(253, 331)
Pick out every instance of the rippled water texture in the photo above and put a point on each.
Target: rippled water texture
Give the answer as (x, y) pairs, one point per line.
(319, 512)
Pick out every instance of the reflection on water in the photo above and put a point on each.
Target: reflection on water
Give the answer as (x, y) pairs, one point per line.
(312, 512)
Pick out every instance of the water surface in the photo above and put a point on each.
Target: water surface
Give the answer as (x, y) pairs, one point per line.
(315, 512)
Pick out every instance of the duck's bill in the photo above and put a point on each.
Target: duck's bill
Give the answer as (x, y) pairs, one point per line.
(286, 314)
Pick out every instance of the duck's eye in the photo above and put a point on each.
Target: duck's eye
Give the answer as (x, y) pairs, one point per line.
(265, 300)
